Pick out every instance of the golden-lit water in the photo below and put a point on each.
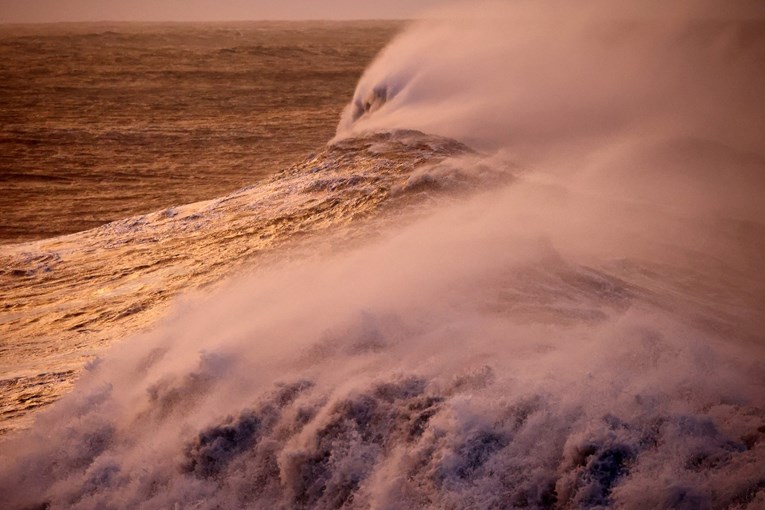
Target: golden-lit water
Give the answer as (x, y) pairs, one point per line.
(99, 122)
(64, 299)
(102, 122)
(481, 293)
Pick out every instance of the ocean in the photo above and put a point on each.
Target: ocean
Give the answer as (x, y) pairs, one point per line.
(498, 259)
(99, 122)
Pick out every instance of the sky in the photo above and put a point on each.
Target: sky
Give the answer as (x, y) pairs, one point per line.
(31, 11)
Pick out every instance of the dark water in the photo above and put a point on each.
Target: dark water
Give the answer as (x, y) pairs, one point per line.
(99, 122)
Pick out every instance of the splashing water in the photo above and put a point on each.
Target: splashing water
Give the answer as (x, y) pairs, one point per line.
(584, 331)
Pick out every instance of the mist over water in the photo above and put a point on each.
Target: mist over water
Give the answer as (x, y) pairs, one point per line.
(578, 88)
(525, 74)
(587, 334)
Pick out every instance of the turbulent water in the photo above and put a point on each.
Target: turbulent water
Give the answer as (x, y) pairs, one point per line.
(527, 272)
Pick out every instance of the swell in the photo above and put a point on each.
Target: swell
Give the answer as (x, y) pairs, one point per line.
(453, 359)
(66, 298)
(584, 333)
(136, 117)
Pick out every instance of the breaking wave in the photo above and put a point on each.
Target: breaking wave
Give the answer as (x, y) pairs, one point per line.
(584, 331)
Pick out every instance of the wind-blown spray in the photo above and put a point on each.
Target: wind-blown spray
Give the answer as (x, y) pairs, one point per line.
(588, 334)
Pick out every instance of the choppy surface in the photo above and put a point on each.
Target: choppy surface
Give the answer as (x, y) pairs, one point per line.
(424, 326)
(100, 122)
(66, 298)
(451, 360)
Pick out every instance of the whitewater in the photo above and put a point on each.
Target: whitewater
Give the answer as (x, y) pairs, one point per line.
(527, 272)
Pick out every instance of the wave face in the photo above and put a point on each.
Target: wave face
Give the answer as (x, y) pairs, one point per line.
(68, 297)
(578, 328)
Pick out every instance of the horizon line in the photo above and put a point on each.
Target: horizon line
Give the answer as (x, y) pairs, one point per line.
(277, 20)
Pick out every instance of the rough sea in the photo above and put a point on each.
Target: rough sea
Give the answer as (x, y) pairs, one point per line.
(507, 257)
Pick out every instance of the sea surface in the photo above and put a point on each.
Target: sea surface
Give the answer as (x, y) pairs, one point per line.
(106, 121)
(99, 122)
(507, 258)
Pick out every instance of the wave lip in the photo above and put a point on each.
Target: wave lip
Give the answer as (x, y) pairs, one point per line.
(373, 102)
